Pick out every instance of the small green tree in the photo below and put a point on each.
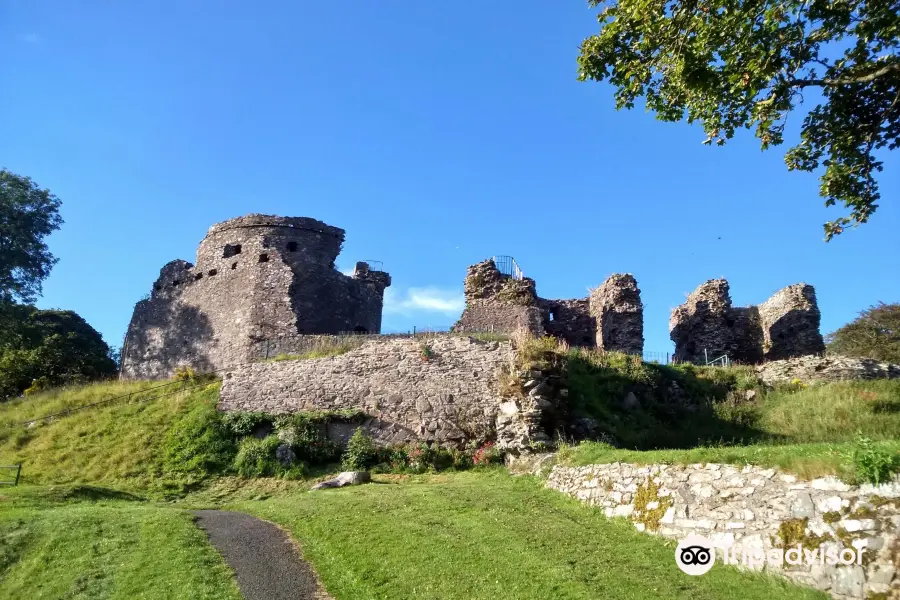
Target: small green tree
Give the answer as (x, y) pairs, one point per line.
(749, 64)
(875, 333)
(361, 453)
(28, 214)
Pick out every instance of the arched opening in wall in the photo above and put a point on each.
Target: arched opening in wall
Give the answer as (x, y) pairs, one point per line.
(213, 272)
(231, 250)
(360, 329)
(263, 258)
(292, 246)
(233, 266)
(552, 315)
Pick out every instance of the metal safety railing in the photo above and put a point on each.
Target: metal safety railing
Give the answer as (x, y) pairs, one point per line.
(507, 265)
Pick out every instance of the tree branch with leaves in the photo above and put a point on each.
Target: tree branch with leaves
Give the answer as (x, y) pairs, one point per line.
(733, 64)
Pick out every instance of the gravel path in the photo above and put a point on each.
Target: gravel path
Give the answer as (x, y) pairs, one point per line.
(266, 562)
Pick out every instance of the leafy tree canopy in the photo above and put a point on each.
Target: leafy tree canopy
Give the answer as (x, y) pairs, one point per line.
(748, 63)
(28, 214)
(41, 348)
(874, 334)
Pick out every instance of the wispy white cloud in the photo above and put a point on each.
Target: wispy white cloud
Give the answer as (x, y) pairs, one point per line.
(30, 38)
(423, 300)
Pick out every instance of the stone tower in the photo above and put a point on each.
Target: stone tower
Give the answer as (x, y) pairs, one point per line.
(258, 279)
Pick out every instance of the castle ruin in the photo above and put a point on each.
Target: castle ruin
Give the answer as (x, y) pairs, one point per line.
(611, 318)
(260, 281)
(784, 326)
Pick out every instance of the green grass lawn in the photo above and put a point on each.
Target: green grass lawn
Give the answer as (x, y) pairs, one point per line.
(62, 543)
(487, 535)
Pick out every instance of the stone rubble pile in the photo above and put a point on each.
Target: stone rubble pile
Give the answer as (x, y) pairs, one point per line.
(810, 369)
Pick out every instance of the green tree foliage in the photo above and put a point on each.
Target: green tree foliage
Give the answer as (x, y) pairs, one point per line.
(749, 64)
(40, 348)
(28, 214)
(875, 333)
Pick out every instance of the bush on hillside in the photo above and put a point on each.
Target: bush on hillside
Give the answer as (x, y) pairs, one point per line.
(199, 444)
(875, 333)
(256, 457)
(44, 348)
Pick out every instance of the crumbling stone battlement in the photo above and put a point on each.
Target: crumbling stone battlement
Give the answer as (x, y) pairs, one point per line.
(611, 318)
(256, 278)
(784, 326)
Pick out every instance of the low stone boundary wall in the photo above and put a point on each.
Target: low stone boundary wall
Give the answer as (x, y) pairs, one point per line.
(755, 508)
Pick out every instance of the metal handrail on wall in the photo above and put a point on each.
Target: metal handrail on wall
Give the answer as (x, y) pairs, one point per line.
(507, 265)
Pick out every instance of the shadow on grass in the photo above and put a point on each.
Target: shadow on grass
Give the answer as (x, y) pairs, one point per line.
(653, 407)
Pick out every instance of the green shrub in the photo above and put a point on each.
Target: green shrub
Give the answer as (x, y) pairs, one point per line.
(872, 464)
(305, 433)
(361, 453)
(198, 444)
(256, 457)
(241, 423)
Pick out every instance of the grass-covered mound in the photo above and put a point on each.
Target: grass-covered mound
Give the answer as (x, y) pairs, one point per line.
(686, 414)
(168, 439)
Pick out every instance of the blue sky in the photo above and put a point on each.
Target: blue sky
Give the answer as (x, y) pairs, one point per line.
(436, 137)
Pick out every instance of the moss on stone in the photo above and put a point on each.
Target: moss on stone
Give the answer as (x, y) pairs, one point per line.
(879, 501)
(647, 493)
(793, 532)
(831, 517)
(863, 512)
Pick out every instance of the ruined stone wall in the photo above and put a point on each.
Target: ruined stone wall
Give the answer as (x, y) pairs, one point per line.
(499, 303)
(790, 323)
(450, 398)
(256, 278)
(619, 315)
(784, 326)
(702, 323)
(569, 320)
(495, 302)
(751, 508)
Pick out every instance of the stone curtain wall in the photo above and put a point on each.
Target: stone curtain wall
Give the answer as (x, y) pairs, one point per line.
(451, 398)
(785, 326)
(611, 318)
(748, 506)
(256, 278)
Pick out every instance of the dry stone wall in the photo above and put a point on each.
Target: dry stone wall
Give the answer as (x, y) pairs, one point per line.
(256, 278)
(751, 508)
(450, 398)
(708, 326)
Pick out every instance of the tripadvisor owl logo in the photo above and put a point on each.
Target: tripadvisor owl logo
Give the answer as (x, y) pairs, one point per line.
(695, 555)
